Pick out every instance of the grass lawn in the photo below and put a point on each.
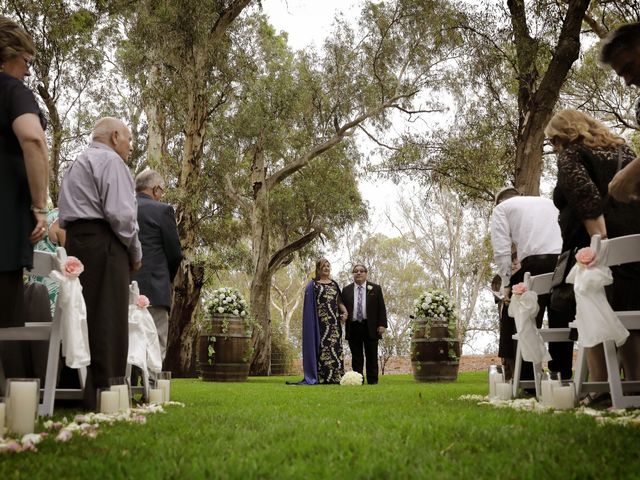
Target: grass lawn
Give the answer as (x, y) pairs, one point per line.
(396, 429)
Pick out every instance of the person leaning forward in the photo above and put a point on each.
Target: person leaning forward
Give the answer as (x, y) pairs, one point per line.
(366, 322)
(531, 224)
(621, 51)
(99, 212)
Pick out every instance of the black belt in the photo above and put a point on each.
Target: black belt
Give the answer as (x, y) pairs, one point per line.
(546, 256)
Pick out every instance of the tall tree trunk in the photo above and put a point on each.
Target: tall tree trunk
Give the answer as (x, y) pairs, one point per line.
(186, 295)
(55, 126)
(537, 101)
(260, 295)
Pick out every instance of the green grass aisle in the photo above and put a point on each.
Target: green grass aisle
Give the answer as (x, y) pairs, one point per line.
(397, 429)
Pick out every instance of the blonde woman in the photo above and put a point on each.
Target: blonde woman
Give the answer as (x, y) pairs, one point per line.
(588, 156)
(323, 313)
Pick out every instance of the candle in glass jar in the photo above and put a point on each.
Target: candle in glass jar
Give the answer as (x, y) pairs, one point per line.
(23, 406)
(2, 412)
(504, 390)
(563, 397)
(123, 392)
(165, 385)
(109, 401)
(546, 387)
(156, 395)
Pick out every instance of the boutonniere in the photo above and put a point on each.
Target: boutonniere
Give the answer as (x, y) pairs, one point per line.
(369, 287)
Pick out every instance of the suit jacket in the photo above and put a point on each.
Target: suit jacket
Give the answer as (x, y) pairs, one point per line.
(161, 252)
(376, 309)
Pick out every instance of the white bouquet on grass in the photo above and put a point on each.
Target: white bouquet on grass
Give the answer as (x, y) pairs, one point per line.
(351, 378)
(228, 300)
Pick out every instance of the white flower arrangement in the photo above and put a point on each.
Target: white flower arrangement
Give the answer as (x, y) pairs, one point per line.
(369, 287)
(351, 378)
(228, 300)
(434, 304)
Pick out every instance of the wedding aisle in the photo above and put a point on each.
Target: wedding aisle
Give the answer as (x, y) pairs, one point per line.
(397, 429)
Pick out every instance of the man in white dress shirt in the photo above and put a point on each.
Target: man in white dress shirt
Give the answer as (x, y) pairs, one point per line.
(531, 224)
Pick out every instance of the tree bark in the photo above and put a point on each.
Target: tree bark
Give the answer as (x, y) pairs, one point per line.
(536, 105)
(186, 295)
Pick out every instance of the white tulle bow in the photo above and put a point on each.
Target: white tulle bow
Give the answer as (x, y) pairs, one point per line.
(524, 308)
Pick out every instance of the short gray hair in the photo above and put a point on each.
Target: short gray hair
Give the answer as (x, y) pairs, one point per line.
(148, 179)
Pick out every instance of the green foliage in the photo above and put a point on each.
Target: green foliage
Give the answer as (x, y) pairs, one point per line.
(260, 429)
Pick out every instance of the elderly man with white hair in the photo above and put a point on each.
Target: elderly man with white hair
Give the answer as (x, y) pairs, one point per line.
(98, 209)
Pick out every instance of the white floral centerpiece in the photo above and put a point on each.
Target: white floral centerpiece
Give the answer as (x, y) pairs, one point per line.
(436, 305)
(227, 300)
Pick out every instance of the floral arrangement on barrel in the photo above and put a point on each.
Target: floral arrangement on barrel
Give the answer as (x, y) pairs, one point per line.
(434, 305)
(227, 301)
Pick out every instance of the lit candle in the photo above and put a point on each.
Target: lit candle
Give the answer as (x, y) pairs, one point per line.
(563, 397)
(109, 401)
(2, 409)
(123, 391)
(165, 385)
(23, 406)
(503, 391)
(156, 395)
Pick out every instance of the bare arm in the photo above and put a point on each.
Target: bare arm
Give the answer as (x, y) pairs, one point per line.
(33, 143)
(595, 225)
(625, 185)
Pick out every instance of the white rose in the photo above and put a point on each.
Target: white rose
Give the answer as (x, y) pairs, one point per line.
(425, 306)
(441, 309)
(235, 312)
(220, 310)
(243, 313)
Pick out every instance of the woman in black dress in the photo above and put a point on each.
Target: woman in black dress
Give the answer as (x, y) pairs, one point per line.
(23, 169)
(588, 156)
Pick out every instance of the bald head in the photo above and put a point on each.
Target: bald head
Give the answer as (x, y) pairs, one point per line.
(115, 133)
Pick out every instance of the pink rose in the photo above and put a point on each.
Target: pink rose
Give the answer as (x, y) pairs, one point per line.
(143, 301)
(586, 256)
(519, 288)
(72, 267)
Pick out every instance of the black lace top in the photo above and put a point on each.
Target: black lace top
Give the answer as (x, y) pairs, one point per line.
(584, 174)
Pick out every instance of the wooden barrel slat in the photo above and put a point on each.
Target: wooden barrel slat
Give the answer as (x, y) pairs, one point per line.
(430, 360)
(230, 361)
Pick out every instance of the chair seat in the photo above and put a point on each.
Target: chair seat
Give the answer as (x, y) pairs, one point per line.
(30, 331)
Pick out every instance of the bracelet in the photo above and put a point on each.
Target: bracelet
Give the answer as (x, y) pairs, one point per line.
(35, 209)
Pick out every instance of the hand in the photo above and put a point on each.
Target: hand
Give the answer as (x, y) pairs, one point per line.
(381, 330)
(135, 266)
(343, 317)
(40, 230)
(625, 185)
(507, 294)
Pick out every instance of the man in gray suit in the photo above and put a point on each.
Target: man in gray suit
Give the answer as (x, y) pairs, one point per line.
(161, 252)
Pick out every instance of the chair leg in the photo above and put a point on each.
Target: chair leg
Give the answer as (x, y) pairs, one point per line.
(3, 379)
(580, 375)
(51, 376)
(517, 369)
(537, 376)
(613, 373)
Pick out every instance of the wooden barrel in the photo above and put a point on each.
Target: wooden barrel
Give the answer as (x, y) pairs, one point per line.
(435, 356)
(230, 342)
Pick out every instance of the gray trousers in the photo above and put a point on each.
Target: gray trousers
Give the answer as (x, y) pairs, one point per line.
(160, 317)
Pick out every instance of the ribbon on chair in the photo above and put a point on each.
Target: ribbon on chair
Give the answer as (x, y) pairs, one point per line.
(73, 314)
(524, 308)
(596, 320)
(144, 346)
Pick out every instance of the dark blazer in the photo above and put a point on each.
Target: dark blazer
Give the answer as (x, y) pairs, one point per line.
(161, 252)
(376, 309)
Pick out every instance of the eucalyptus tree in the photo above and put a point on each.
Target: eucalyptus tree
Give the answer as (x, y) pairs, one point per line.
(451, 243)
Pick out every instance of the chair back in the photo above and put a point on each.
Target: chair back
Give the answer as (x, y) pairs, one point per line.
(541, 284)
(619, 250)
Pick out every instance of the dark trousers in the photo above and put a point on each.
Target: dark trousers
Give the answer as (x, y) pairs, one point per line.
(11, 293)
(561, 352)
(105, 288)
(362, 347)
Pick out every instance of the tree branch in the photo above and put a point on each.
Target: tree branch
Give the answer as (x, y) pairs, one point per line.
(281, 255)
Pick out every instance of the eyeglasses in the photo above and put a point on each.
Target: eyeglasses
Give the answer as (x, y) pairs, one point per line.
(28, 62)
(359, 271)
(159, 188)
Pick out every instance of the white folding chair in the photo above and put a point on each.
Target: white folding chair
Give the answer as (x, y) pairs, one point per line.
(43, 264)
(621, 250)
(541, 284)
(134, 292)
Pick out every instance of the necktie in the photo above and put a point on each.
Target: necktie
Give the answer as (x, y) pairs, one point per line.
(359, 305)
